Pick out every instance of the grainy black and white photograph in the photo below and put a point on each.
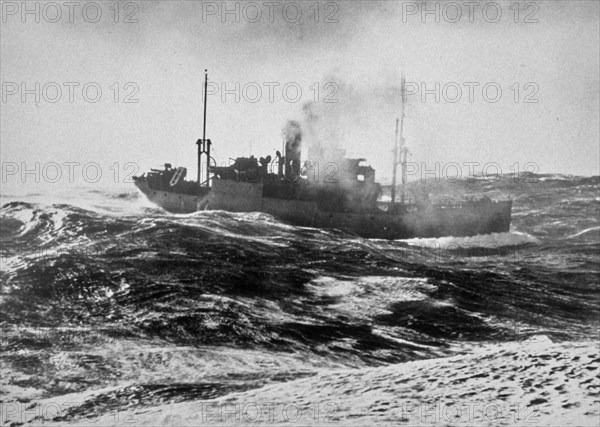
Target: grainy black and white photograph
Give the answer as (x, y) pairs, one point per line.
(300, 213)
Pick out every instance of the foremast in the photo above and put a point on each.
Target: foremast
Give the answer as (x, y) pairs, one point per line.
(204, 144)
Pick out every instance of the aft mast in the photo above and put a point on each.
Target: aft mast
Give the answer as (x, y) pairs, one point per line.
(400, 151)
(403, 148)
(395, 165)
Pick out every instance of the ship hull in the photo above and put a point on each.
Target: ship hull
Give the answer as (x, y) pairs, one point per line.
(428, 220)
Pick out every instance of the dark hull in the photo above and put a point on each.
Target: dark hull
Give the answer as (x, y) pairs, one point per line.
(420, 221)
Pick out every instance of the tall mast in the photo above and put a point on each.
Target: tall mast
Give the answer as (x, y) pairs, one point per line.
(395, 164)
(205, 90)
(204, 130)
(403, 149)
(204, 144)
(400, 150)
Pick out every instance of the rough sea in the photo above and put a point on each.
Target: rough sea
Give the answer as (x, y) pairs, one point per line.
(115, 312)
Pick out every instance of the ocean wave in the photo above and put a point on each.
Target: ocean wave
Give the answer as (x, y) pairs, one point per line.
(108, 300)
(591, 230)
(492, 240)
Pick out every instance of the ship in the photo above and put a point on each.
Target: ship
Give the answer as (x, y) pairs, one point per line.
(346, 197)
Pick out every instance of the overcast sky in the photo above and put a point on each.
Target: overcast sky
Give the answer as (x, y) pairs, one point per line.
(546, 65)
